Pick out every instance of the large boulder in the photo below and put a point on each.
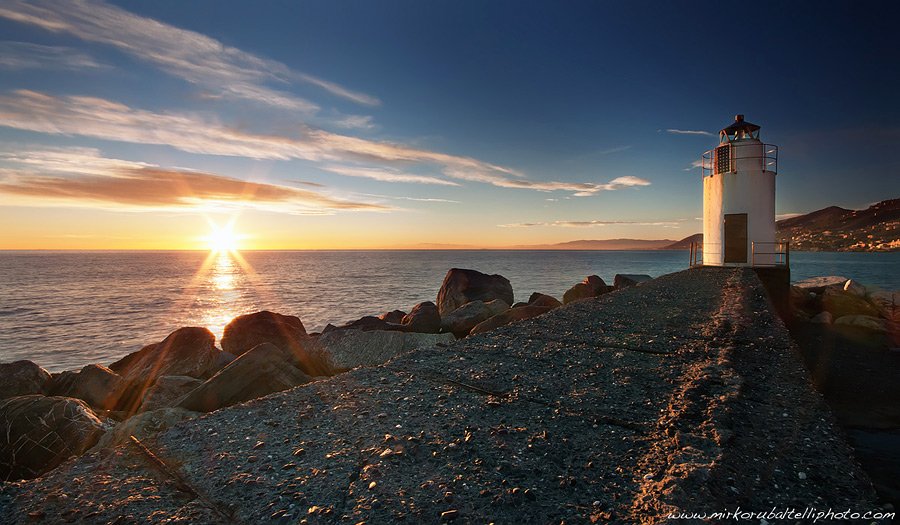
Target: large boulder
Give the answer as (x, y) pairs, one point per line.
(368, 322)
(627, 280)
(347, 349)
(167, 391)
(462, 320)
(285, 332)
(189, 351)
(822, 318)
(539, 299)
(591, 286)
(423, 318)
(855, 287)
(21, 378)
(461, 286)
(99, 386)
(509, 316)
(802, 300)
(262, 370)
(840, 303)
(144, 425)
(393, 317)
(818, 285)
(866, 322)
(38, 433)
(888, 303)
(248, 331)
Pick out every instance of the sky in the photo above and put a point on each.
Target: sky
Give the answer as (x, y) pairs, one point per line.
(358, 125)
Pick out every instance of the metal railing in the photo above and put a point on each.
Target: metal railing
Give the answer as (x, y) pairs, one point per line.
(768, 160)
(780, 252)
(697, 249)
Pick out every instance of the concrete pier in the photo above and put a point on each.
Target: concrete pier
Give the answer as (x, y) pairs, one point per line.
(680, 395)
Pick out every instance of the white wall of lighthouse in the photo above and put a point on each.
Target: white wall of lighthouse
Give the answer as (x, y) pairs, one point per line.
(739, 199)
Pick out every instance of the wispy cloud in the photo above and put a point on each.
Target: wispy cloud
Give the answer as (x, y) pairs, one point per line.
(589, 224)
(354, 122)
(193, 133)
(694, 165)
(610, 151)
(24, 55)
(196, 58)
(427, 199)
(81, 176)
(413, 199)
(690, 132)
(387, 175)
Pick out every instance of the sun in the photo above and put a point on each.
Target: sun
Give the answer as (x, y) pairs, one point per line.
(222, 239)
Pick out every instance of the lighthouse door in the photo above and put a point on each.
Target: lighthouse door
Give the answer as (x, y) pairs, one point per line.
(735, 237)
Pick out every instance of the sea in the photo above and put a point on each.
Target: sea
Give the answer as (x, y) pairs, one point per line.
(66, 309)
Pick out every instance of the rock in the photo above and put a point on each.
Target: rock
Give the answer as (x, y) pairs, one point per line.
(461, 321)
(346, 349)
(867, 322)
(423, 318)
(369, 322)
(167, 391)
(854, 288)
(509, 316)
(285, 332)
(393, 317)
(802, 300)
(248, 331)
(461, 286)
(343, 350)
(99, 386)
(539, 299)
(819, 284)
(262, 370)
(185, 352)
(38, 433)
(627, 280)
(415, 341)
(888, 303)
(841, 303)
(144, 425)
(822, 318)
(21, 378)
(591, 286)
(223, 359)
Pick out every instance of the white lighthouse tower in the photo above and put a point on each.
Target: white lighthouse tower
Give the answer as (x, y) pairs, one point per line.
(739, 200)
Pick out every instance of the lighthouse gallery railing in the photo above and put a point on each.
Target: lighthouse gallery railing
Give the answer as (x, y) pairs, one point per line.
(713, 162)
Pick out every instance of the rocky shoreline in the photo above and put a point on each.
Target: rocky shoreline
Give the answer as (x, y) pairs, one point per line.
(261, 353)
(660, 360)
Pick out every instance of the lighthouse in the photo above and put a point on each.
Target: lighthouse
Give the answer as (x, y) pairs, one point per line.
(739, 200)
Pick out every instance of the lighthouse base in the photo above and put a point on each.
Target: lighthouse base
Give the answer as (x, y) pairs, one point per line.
(777, 281)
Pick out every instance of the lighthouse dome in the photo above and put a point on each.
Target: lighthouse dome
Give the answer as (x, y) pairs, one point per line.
(739, 130)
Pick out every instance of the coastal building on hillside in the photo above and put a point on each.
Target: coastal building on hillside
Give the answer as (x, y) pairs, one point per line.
(739, 201)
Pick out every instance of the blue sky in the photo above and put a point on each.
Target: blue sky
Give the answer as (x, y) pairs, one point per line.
(382, 124)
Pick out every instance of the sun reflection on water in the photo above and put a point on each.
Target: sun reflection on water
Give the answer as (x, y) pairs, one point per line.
(222, 286)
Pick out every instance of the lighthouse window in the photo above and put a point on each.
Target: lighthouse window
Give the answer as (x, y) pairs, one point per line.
(723, 159)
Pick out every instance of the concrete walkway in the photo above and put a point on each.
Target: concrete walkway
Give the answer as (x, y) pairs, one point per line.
(680, 395)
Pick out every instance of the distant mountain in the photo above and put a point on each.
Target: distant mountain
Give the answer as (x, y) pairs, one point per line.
(835, 229)
(684, 244)
(600, 244)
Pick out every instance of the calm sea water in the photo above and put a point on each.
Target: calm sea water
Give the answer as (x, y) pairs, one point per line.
(67, 309)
